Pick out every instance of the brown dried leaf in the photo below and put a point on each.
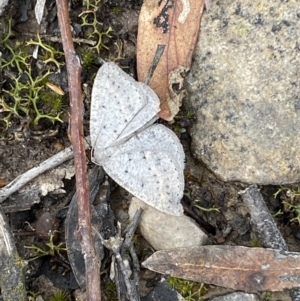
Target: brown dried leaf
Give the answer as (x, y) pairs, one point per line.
(174, 23)
(3, 182)
(239, 268)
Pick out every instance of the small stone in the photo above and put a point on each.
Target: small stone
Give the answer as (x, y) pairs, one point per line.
(45, 225)
(163, 292)
(165, 231)
(237, 297)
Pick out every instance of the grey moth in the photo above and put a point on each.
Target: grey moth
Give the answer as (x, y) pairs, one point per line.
(144, 158)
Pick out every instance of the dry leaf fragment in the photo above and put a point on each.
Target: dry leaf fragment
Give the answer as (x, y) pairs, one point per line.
(3, 182)
(174, 23)
(57, 89)
(236, 267)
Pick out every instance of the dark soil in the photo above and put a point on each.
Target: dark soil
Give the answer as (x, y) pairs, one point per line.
(24, 145)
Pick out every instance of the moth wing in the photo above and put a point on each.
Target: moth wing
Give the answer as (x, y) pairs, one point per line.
(150, 166)
(119, 106)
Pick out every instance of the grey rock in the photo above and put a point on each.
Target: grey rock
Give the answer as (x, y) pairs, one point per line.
(237, 297)
(3, 4)
(163, 292)
(244, 89)
(165, 231)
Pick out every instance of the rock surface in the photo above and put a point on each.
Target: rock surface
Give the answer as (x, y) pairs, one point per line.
(3, 3)
(165, 231)
(244, 90)
(163, 292)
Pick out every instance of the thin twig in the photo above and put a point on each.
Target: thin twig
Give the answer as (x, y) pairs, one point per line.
(76, 40)
(128, 245)
(92, 262)
(123, 272)
(55, 39)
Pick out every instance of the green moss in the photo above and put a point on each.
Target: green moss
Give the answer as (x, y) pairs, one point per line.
(292, 202)
(177, 128)
(191, 291)
(53, 101)
(190, 114)
(255, 243)
(52, 249)
(267, 295)
(110, 291)
(116, 10)
(60, 296)
(88, 57)
(23, 95)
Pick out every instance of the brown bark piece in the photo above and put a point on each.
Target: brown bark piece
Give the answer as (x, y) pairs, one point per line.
(236, 267)
(174, 23)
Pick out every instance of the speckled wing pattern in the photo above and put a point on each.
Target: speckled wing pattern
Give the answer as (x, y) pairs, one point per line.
(147, 160)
